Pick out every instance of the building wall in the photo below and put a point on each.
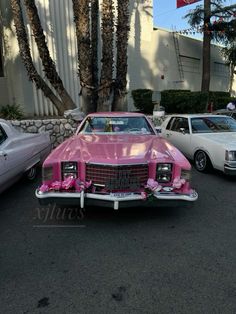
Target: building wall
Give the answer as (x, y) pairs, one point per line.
(152, 58)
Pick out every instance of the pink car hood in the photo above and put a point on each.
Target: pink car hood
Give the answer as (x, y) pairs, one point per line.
(117, 149)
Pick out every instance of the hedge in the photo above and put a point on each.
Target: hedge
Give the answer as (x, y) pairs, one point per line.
(181, 101)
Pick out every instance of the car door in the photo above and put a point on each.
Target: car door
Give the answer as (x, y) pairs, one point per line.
(13, 155)
(178, 133)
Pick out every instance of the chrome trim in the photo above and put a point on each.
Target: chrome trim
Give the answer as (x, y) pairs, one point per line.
(115, 165)
(133, 197)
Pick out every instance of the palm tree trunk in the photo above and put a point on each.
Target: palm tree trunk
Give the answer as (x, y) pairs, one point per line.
(82, 24)
(27, 59)
(94, 47)
(232, 72)
(122, 32)
(48, 64)
(206, 54)
(105, 87)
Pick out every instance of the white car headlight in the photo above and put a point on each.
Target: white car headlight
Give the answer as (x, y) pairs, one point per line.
(69, 169)
(164, 172)
(164, 167)
(230, 155)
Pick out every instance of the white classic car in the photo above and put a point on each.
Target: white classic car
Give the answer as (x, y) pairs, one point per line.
(209, 140)
(20, 153)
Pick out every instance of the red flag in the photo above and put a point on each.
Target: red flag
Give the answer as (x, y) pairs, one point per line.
(182, 3)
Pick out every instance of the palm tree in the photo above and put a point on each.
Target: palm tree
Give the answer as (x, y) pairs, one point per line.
(82, 24)
(94, 47)
(122, 32)
(48, 64)
(27, 59)
(206, 52)
(105, 87)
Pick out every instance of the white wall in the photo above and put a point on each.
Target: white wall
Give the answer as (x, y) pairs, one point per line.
(151, 54)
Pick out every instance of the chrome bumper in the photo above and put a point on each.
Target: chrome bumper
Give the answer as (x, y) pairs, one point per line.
(230, 168)
(114, 201)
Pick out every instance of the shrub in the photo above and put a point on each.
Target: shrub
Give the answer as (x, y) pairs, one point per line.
(143, 100)
(220, 99)
(11, 112)
(183, 101)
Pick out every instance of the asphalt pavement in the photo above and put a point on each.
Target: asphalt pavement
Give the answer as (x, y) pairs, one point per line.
(137, 260)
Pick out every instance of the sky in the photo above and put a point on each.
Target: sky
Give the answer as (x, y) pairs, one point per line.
(167, 16)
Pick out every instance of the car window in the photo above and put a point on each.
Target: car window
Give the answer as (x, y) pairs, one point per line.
(170, 123)
(213, 124)
(3, 135)
(180, 123)
(116, 125)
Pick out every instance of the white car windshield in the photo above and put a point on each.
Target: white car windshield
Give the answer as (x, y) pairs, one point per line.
(116, 125)
(213, 124)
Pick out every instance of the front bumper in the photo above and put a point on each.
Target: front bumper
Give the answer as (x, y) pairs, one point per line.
(230, 168)
(115, 202)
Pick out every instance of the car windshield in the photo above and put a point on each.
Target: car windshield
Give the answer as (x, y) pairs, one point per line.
(213, 124)
(116, 125)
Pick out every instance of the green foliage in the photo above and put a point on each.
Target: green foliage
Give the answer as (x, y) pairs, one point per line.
(184, 101)
(223, 27)
(220, 99)
(230, 54)
(143, 100)
(11, 112)
(181, 101)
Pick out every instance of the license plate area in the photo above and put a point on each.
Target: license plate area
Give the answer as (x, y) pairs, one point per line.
(120, 194)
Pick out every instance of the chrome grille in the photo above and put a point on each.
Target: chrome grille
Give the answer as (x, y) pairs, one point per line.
(118, 177)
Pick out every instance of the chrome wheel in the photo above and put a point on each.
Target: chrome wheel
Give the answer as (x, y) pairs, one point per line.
(201, 161)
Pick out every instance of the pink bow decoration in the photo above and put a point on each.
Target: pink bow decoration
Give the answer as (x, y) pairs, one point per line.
(177, 183)
(56, 185)
(44, 188)
(79, 185)
(153, 185)
(68, 183)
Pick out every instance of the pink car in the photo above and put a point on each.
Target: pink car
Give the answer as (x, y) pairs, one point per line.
(116, 160)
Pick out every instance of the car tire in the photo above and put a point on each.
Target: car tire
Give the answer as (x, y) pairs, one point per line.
(31, 173)
(202, 161)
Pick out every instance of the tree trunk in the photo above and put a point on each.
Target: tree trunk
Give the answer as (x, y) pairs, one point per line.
(82, 24)
(206, 54)
(94, 47)
(27, 59)
(105, 87)
(48, 64)
(231, 67)
(122, 31)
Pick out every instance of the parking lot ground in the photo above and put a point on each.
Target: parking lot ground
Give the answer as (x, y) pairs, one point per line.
(138, 260)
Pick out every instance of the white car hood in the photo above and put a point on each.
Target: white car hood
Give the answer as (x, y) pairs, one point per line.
(225, 139)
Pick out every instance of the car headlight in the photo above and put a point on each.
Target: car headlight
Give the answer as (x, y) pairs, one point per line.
(47, 173)
(69, 169)
(164, 167)
(164, 172)
(230, 155)
(186, 174)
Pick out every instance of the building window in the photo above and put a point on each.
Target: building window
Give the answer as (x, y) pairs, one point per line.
(190, 64)
(221, 69)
